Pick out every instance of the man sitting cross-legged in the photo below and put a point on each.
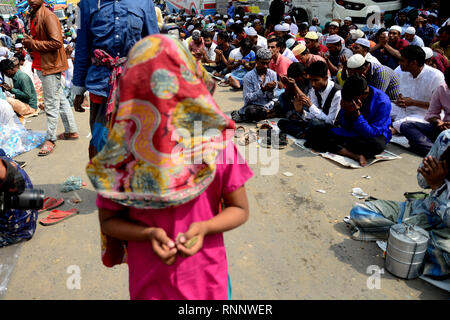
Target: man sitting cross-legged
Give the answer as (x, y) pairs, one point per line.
(259, 86)
(421, 136)
(319, 106)
(362, 126)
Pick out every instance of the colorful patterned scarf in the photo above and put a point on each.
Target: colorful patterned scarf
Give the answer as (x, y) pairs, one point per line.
(166, 130)
(101, 58)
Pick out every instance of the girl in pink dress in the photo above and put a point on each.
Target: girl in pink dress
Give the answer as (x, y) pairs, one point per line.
(168, 167)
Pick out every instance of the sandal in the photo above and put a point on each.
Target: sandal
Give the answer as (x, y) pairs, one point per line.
(47, 149)
(56, 216)
(68, 136)
(240, 131)
(248, 137)
(222, 84)
(51, 203)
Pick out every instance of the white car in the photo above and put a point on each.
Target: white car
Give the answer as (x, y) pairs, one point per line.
(360, 10)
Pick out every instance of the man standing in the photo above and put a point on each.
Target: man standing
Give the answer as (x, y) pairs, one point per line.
(107, 32)
(50, 61)
(230, 11)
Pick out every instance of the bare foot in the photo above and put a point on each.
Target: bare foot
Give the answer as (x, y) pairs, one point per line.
(362, 161)
(394, 131)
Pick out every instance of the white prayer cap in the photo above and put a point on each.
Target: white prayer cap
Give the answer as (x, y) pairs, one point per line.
(285, 27)
(278, 27)
(428, 53)
(433, 14)
(396, 28)
(356, 34)
(237, 16)
(290, 42)
(251, 32)
(3, 51)
(239, 21)
(256, 21)
(347, 19)
(217, 15)
(190, 28)
(334, 23)
(188, 19)
(287, 18)
(18, 45)
(410, 30)
(333, 39)
(355, 61)
(313, 29)
(363, 42)
(225, 17)
(246, 17)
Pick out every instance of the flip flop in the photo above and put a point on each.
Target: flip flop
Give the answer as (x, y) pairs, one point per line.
(56, 216)
(68, 136)
(46, 150)
(240, 131)
(51, 203)
(248, 137)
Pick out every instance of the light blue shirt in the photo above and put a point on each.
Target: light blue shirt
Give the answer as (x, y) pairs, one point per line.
(252, 89)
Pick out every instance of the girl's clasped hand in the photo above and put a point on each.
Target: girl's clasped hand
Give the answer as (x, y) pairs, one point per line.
(186, 244)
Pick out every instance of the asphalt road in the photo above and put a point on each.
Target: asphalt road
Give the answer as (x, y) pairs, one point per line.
(294, 246)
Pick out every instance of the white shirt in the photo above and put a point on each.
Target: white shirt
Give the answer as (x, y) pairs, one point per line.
(210, 52)
(262, 42)
(294, 28)
(420, 88)
(370, 58)
(290, 55)
(315, 112)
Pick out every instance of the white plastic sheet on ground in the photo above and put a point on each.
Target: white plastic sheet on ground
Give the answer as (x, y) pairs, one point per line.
(8, 259)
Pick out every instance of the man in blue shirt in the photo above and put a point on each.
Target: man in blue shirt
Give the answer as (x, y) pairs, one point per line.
(113, 26)
(230, 11)
(362, 126)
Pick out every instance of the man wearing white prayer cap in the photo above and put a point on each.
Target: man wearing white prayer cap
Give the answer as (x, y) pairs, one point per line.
(362, 47)
(356, 34)
(377, 75)
(392, 45)
(257, 41)
(336, 50)
(412, 38)
(333, 28)
(428, 53)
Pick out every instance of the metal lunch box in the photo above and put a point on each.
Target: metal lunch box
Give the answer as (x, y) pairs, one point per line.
(406, 248)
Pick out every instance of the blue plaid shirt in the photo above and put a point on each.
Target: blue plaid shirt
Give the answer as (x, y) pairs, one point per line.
(114, 27)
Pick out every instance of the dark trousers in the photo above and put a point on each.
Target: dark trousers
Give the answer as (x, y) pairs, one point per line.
(421, 136)
(322, 139)
(297, 128)
(255, 113)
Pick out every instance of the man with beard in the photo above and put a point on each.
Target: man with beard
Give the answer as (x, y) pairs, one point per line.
(388, 48)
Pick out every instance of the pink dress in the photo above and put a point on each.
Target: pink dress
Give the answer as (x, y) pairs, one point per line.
(203, 276)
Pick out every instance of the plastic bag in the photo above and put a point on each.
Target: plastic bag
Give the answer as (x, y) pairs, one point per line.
(72, 183)
(9, 256)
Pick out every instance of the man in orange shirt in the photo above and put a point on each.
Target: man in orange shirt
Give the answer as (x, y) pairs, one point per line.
(279, 63)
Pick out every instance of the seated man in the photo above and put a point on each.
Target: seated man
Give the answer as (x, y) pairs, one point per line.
(389, 46)
(318, 107)
(222, 51)
(312, 43)
(295, 82)
(362, 47)
(240, 62)
(208, 57)
(336, 50)
(417, 84)
(197, 44)
(362, 126)
(15, 225)
(279, 63)
(259, 86)
(372, 220)
(421, 136)
(25, 98)
(377, 75)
